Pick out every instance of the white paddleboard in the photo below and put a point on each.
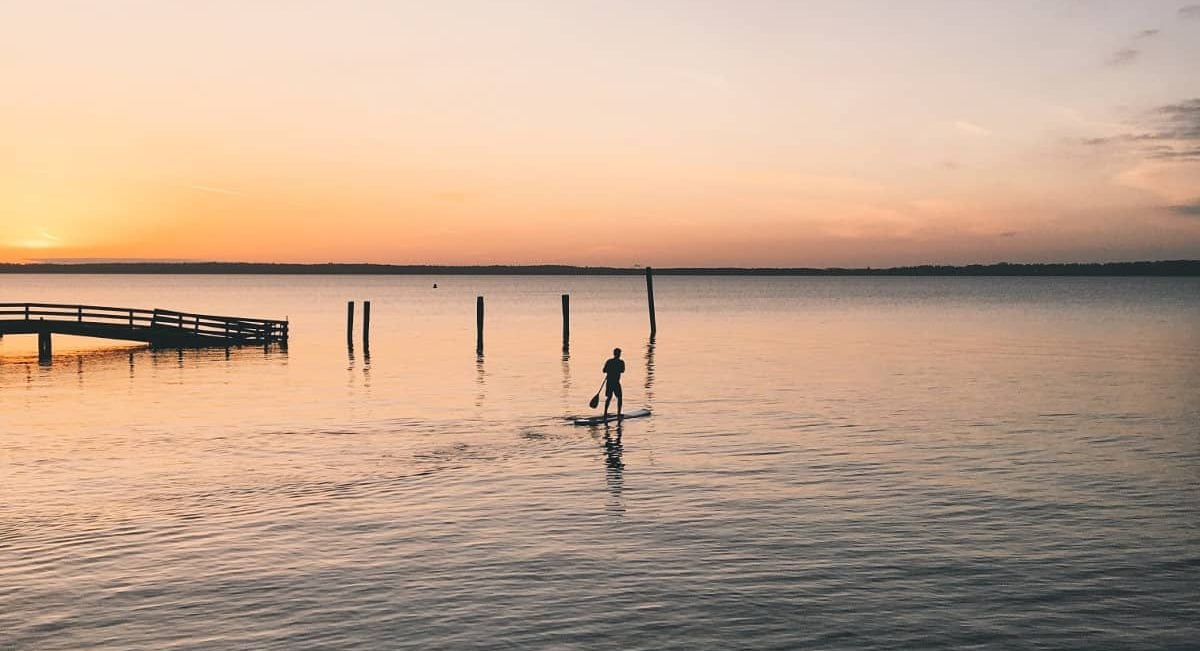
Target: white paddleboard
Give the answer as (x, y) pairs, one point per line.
(612, 418)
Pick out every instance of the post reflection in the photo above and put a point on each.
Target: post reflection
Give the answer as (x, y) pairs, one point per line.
(480, 379)
(649, 385)
(366, 367)
(566, 376)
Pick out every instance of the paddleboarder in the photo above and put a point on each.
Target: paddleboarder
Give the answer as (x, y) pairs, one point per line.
(613, 369)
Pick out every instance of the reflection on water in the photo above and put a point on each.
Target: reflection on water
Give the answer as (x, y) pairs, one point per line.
(356, 372)
(566, 376)
(614, 466)
(649, 383)
(366, 367)
(992, 463)
(480, 380)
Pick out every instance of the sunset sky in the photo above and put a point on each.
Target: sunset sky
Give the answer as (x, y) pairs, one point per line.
(688, 132)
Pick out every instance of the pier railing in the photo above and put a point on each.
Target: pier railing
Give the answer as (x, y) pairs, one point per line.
(225, 327)
(156, 324)
(77, 313)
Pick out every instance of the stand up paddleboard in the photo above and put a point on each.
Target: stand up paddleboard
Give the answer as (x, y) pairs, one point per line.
(612, 418)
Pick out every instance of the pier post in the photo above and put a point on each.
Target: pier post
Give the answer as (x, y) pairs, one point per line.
(350, 324)
(366, 325)
(45, 350)
(566, 309)
(650, 299)
(479, 325)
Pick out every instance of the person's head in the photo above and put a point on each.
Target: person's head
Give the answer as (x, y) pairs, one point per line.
(616, 352)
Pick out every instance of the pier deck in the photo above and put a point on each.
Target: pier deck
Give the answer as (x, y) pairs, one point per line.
(157, 327)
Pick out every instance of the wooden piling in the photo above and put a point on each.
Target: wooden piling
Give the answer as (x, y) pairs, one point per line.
(366, 324)
(45, 349)
(479, 325)
(566, 309)
(350, 324)
(650, 299)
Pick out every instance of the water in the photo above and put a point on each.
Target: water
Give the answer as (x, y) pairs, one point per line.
(833, 463)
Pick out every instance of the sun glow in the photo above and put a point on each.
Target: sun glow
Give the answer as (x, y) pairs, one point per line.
(43, 240)
(700, 135)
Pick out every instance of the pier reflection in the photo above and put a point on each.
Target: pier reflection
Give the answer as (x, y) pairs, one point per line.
(127, 360)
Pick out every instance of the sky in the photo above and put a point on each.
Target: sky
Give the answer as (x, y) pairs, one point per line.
(648, 132)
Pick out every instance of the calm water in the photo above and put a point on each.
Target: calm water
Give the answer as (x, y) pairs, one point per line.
(833, 463)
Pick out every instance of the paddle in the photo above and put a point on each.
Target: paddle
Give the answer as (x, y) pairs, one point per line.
(596, 398)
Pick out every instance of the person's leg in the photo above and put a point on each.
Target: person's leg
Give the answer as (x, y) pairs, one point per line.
(608, 401)
(620, 401)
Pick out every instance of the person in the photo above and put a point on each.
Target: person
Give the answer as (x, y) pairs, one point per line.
(613, 369)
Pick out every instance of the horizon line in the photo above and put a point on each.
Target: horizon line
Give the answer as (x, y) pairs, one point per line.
(1183, 267)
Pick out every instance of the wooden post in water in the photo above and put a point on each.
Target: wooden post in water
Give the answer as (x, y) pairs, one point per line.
(366, 325)
(479, 325)
(350, 324)
(566, 307)
(650, 299)
(44, 347)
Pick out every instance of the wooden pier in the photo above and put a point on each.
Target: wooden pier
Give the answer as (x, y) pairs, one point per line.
(159, 328)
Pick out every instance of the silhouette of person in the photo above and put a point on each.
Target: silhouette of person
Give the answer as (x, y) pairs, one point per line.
(613, 369)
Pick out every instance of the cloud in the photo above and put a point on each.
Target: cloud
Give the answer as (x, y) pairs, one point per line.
(1163, 149)
(1147, 33)
(971, 128)
(1169, 131)
(1189, 12)
(1180, 121)
(1186, 209)
(1123, 137)
(1165, 152)
(1123, 57)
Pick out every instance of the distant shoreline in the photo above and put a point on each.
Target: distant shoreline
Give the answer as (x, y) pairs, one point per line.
(1147, 268)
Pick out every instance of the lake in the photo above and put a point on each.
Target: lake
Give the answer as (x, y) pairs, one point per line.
(832, 463)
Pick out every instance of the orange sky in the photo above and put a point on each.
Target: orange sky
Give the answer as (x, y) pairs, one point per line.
(618, 133)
